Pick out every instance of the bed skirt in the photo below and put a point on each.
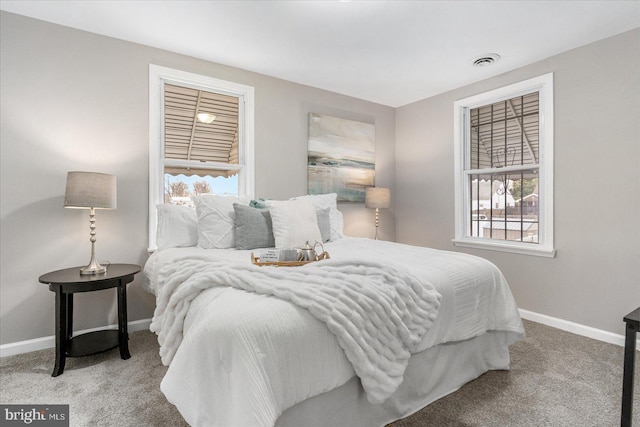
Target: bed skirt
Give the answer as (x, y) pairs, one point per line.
(430, 375)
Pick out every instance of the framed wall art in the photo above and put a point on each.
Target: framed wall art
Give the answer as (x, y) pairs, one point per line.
(341, 157)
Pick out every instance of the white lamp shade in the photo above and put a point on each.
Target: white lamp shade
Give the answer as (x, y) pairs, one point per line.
(90, 190)
(376, 197)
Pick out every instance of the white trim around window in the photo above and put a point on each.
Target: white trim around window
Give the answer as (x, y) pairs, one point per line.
(157, 77)
(545, 246)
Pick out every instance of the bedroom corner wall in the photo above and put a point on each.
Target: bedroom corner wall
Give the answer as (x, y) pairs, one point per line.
(72, 100)
(595, 278)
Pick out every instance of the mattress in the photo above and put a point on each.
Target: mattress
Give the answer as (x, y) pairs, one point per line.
(246, 359)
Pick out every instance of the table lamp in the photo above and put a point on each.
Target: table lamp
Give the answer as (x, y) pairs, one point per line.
(91, 190)
(378, 198)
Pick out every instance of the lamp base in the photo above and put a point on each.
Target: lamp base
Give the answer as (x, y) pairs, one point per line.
(93, 268)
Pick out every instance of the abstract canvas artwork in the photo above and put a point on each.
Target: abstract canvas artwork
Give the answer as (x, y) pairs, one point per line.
(341, 157)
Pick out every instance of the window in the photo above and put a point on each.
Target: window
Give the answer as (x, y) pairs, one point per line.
(504, 168)
(200, 139)
(201, 144)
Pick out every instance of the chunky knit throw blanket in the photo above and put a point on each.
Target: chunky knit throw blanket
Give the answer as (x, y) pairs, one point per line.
(377, 313)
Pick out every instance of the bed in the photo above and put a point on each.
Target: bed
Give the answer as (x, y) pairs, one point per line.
(242, 354)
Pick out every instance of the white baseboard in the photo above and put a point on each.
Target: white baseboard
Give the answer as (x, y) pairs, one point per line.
(27, 346)
(577, 328)
(139, 325)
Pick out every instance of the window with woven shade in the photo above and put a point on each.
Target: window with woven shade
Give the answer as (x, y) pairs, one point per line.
(201, 137)
(201, 144)
(504, 168)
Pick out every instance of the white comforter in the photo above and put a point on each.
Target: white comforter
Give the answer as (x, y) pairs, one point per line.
(245, 358)
(378, 314)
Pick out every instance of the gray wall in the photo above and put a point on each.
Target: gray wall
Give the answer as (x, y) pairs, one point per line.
(72, 100)
(595, 278)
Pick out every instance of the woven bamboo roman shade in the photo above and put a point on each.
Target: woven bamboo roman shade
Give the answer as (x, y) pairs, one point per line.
(187, 138)
(506, 133)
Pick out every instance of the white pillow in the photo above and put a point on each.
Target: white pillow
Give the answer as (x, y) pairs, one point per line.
(323, 201)
(294, 223)
(217, 220)
(177, 226)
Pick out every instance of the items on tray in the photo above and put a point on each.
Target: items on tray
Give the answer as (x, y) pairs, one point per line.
(290, 257)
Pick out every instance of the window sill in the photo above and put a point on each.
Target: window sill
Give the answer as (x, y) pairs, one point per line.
(515, 248)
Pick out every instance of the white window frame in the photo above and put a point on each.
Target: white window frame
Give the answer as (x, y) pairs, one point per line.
(158, 76)
(545, 246)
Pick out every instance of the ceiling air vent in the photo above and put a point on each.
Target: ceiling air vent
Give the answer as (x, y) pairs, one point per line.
(486, 59)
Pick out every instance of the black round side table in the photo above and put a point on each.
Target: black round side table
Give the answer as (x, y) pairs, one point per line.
(69, 281)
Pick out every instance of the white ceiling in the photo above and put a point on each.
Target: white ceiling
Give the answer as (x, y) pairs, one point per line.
(389, 52)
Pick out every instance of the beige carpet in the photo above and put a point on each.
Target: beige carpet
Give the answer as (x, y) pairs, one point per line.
(556, 379)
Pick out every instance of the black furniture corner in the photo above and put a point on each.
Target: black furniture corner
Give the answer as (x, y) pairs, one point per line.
(69, 281)
(633, 324)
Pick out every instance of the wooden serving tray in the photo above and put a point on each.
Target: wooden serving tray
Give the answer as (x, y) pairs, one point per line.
(256, 261)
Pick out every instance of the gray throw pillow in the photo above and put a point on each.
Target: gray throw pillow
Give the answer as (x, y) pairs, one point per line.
(253, 228)
(324, 223)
